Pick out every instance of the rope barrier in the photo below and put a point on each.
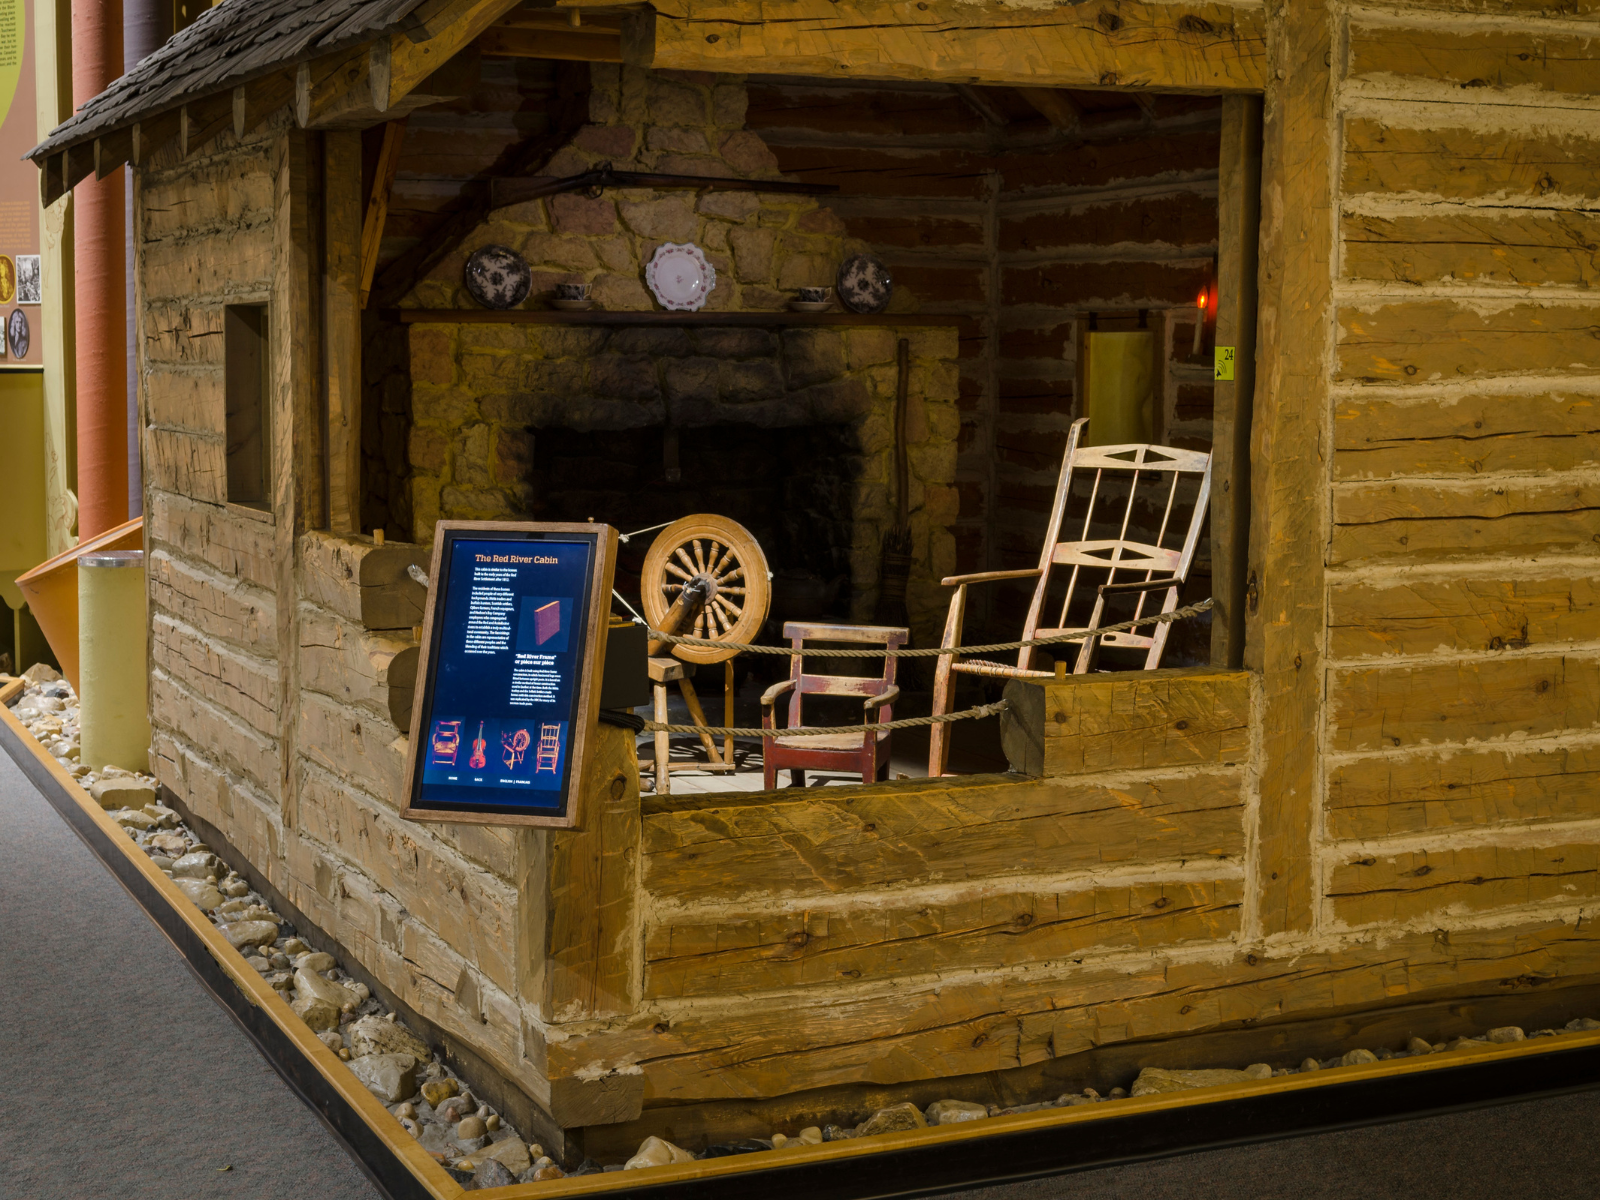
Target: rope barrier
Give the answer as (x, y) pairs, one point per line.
(1079, 635)
(983, 710)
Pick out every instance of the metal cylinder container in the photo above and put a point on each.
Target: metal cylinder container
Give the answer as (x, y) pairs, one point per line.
(114, 717)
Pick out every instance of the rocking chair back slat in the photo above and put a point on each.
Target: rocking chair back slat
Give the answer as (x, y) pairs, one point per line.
(1119, 540)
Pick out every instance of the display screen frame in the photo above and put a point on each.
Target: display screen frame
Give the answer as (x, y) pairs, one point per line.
(587, 671)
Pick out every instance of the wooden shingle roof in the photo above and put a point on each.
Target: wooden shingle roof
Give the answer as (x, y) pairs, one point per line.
(231, 44)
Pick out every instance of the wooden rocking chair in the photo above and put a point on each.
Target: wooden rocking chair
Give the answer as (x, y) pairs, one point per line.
(1155, 566)
(865, 753)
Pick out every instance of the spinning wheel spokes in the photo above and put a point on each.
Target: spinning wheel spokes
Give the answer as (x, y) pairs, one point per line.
(719, 558)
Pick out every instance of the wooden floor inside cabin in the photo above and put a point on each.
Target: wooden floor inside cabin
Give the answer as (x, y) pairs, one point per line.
(975, 749)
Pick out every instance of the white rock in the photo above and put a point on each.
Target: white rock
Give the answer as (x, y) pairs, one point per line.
(315, 1012)
(949, 1112)
(653, 1152)
(197, 864)
(309, 983)
(40, 674)
(249, 933)
(1506, 1033)
(314, 961)
(201, 893)
(390, 1077)
(374, 1035)
(510, 1152)
(331, 1039)
(1355, 1058)
(130, 818)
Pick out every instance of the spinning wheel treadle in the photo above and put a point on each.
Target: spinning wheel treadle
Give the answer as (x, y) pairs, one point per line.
(720, 558)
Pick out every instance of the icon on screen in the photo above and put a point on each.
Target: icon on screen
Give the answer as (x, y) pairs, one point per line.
(515, 745)
(445, 743)
(548, 756)
(545, 625)
(479, 759)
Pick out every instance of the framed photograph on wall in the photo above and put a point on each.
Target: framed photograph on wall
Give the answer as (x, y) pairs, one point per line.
(508, 681)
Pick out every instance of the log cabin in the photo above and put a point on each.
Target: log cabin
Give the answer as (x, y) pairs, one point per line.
(1365, 787)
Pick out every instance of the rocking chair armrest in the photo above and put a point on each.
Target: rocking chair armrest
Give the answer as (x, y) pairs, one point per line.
(988, 577)
(770, 696)
(1149, 585)
(888, 697)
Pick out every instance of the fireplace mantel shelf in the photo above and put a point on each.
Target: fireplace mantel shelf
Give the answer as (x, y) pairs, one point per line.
(530, 316)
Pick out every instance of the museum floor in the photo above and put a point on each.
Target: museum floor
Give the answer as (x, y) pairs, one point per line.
(126, 1075)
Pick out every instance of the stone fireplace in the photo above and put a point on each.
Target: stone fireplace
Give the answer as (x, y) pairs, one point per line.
(788, 430)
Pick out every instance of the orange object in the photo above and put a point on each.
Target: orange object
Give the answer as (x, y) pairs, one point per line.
(51, 590)
(100, 293)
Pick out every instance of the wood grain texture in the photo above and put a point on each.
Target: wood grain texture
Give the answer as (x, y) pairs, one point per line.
(1490, 60)
(1288, 515)
(242, 684)
(973, 828)
(1529, 249)
(1485, 431)
(1378, 707)
(1190, 46)
(1425, 616)
(1144, 720)
(341, 330)
(208, 533)
(1438, 340)
(189, 464)
(364, 582)
(1465, 164)
(1383, 797)
(351, 664)
(966, 1026)
(470, 909)
(735, 954)
(1382, 888)
(1230, 402)
(592, 940)
(1423, 522)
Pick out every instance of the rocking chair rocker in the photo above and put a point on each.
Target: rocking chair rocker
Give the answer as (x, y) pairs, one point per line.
(1145, 472)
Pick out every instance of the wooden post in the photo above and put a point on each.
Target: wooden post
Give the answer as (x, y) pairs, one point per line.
(341, 282)
(1285, 589)
(1239, 214)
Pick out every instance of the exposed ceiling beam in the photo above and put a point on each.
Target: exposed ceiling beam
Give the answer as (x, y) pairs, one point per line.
(446, 27)
(378, 207)
(1055, 106)
(573, 45)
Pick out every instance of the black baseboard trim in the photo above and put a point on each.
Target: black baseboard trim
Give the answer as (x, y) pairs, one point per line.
(930, 1167)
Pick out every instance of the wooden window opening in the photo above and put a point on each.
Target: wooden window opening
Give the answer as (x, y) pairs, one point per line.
(249, 434)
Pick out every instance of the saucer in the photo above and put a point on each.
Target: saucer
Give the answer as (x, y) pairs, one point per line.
(561, 305)
(810, 306)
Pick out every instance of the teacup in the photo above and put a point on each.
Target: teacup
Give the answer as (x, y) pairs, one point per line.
(814, 295)
(572, 291)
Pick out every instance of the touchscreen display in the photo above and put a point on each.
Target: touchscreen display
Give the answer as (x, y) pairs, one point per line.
(505, 670)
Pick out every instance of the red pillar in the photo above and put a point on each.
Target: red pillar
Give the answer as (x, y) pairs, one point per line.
(100, 290)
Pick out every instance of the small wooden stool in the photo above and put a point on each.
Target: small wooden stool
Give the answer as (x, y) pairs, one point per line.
(665, 669)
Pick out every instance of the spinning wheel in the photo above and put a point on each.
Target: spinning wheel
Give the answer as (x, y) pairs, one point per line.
(705, 576)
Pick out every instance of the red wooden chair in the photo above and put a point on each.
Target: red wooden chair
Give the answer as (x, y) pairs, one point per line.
(1139, 529)
(864, 753)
